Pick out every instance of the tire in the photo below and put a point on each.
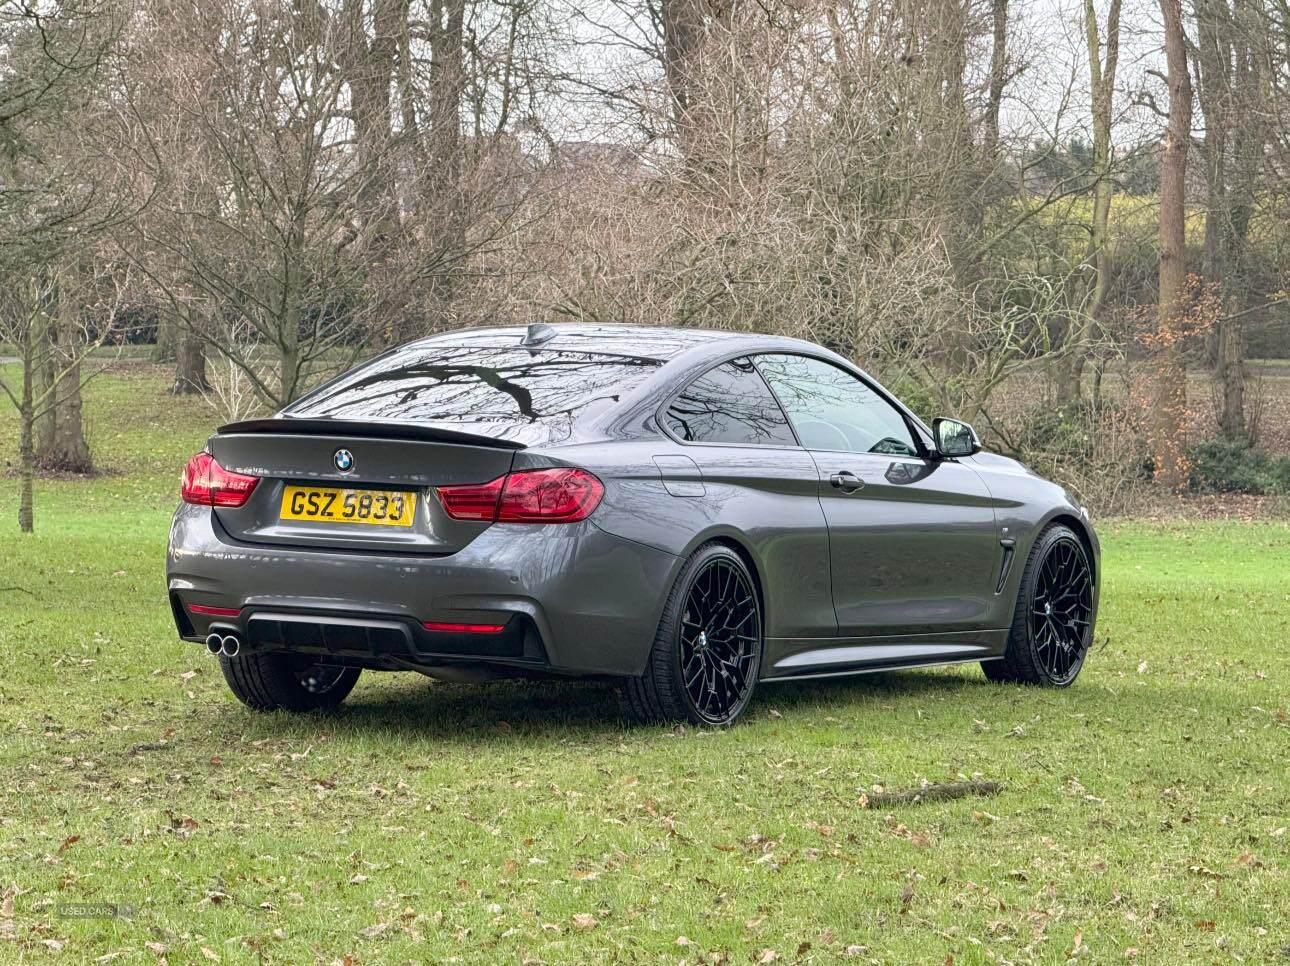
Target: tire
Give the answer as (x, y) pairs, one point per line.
(715, 594)
(278, 682)
(1051, 628)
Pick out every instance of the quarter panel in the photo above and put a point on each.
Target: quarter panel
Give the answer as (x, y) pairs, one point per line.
(765, 499)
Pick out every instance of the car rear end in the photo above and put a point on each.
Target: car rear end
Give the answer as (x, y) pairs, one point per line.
(418, 513)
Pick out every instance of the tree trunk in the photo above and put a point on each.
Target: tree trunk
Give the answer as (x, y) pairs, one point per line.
(369, 68)
(1169, 402)
(163, 350)
(1231, 379)
(1097, 259)
(1230, 90)
(190, 366)
(684, 29)
(26, 447)
(947, 43)
(68, 450)
(42, 374)
(444, 149)
(997, 79)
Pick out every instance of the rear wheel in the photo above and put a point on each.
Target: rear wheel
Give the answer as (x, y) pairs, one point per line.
(281, 681)
(1052, 626)
(707, 652)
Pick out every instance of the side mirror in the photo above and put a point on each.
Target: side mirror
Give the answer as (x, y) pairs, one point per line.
(954, 438)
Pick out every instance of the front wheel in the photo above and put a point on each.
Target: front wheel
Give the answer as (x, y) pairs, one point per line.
(707, 652)
(281, 681)
(1052, 626)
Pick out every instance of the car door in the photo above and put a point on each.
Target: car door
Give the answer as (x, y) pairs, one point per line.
(753, 479)
(913, 543)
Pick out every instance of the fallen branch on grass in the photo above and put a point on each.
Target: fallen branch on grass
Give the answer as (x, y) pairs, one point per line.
(930, 793)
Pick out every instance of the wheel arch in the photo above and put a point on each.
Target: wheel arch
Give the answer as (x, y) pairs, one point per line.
(733, 541)
(1082, 531)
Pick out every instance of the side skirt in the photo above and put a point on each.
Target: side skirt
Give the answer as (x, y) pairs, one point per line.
(830, 657)
(873, 669)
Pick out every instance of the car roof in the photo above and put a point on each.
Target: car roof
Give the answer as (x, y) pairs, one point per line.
(661, 343)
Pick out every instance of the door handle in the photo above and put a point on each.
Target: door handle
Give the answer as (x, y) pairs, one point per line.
(846, 482)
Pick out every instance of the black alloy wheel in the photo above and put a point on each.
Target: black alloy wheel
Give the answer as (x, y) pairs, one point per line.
(720, 633)
(1060, 610)
(707, 652)
(282, 681)
(1052, 626)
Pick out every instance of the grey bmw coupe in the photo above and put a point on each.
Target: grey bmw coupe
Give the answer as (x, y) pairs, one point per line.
(689, 513)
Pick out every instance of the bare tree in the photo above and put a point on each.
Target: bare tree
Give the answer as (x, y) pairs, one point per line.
(26, 309)
(56, 196)
(1169, 404)
(53, 194)
(264, 208)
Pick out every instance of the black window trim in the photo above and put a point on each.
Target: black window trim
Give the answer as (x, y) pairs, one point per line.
(912, 423)
(666, 404)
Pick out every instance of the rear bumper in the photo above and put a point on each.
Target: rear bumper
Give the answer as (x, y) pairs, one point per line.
(572, 598)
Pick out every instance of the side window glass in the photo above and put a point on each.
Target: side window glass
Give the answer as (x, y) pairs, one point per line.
(729, 404)
(833, 410)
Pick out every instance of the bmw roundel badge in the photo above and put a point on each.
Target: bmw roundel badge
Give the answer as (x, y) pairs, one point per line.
(344, 460)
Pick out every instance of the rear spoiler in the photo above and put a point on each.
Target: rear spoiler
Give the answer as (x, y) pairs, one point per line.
(365, 430)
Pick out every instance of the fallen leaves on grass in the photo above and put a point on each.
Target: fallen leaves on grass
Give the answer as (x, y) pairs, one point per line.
(1205, 873)
(585, 920)
(920, 839)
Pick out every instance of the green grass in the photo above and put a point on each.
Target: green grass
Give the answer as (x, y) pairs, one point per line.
(1143, 809)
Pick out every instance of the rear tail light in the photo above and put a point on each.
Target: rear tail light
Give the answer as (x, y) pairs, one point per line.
(561, 495)
(206, 483)
(475, 501)
(549, 496)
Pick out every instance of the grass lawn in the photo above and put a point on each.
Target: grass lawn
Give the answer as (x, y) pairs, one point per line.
(1144, 811)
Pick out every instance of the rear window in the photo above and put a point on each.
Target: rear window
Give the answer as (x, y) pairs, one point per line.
(477, 384)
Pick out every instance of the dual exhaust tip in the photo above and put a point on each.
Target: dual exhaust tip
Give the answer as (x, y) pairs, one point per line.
(226, 644)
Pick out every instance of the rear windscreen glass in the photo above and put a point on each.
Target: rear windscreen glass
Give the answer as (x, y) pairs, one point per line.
(477, 384)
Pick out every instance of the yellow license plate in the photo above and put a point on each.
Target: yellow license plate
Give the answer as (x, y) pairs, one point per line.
(329, 504)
